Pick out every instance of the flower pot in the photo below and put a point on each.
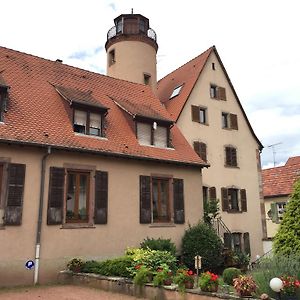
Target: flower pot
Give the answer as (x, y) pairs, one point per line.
(210, 288)
(189, 285)
(245, 294)
(168, 281)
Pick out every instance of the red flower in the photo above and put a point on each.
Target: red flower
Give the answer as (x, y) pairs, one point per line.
(190, 272)
(137, 267)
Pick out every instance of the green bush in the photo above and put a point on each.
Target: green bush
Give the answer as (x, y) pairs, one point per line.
(159, 244)
(202, 240)
(287, 239)
(112, 267)
(229, 274)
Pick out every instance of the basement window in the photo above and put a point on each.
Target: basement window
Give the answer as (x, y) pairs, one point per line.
(176, 92)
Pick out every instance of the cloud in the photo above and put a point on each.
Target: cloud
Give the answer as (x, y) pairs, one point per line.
(113, 6)
(85, 53)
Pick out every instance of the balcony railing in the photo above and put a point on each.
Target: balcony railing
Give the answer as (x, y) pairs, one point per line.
(113, 32)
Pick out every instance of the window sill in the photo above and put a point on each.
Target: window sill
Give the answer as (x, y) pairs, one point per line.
(231, 167)
(235, 211)
(159, 225)
(91, 136)
(76, 226)
(152, 146)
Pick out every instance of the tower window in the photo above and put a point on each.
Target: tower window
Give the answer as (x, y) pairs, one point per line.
(213, 66)
(119, 26)
(147, 78)
(111, 57)
(176, 91)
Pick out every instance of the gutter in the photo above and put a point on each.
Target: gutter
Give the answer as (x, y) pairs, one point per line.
(40, 217)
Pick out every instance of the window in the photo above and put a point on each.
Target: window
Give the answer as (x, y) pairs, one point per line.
(111, 57)
(147, 135)
(200, 149)
(209, 194)
(237, 241)
(176, 91)
(276, 212)
(86, 122)
(70, 196)
(229, 121)
(230, 157)
(217, 92)
(3, 102)
(213, 66)
(142, 25)
(119, 26)
(199, 114)
(205, 195)
(234, 199)
(147, 78)
(156, 205)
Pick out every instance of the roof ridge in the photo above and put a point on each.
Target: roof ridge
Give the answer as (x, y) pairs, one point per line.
(209, 49)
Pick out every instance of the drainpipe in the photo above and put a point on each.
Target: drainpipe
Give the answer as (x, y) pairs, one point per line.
(40, 218)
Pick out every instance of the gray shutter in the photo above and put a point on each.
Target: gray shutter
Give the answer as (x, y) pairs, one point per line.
(145, 200)
(101, 197)
(178, 193)
(195, 114)
(247, 248)
(227, 240)
(221, 93)
(212, 193)
(14, 204)
(274, 213)
(233, 121)
(244, 200)
(225, 203)
(56, 196)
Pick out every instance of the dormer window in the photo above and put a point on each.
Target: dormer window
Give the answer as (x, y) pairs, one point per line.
(87, 122)
(150, 134)
(176, 92)
(3, 100)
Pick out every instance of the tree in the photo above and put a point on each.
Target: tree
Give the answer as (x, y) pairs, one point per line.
(287, 239)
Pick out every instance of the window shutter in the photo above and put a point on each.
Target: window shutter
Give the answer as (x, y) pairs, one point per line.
(225, 203)
(101, 197)
(233, 157)
(221, 93)
(197, 147)
(195, 114)
(233, 121)
(247, 248)
(203, 153)
(14, 204)
(161, 137)
(227, 156)
(243, 200)
(144, 133)
(227, 240)
(56, 196)
(212, 193)
(274, 213)
(178, 191)
(145, 200)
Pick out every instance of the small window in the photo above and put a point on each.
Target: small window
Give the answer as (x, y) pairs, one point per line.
(225, 123)
(147, 78)
(200, 149)
(280, 208)
(160, 200)
(213, 66)
(230, 156)
(111, 57)
(233, 199)
(213, 91)
(217, 92)
(199, 114)
(202, 117)
(88, 123)
(237, 241)
(176, 91)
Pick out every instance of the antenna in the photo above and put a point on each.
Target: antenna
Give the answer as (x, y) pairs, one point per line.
(132, 11)
(274, 152)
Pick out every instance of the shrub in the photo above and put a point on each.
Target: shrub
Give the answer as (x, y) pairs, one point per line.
(183, 277)
(202, 240)
(76, 265)
(287, 239)
(245, 285)
(142, 275)
(159, 244)
(162, 275)
(209, 282)
(229, 274)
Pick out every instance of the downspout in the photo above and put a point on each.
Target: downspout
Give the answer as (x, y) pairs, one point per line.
(40, 217)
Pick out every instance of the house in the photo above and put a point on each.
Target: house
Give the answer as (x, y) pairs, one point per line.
(277, 187)
(89, 165)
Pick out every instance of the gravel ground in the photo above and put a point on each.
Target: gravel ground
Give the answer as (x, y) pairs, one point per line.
(64, 292)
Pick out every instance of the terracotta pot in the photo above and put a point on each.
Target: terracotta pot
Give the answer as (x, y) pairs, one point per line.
(210, 288)
(168, 281)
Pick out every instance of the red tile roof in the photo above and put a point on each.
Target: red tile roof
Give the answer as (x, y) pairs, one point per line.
(38, 115)
(279, 181)
(187, 76)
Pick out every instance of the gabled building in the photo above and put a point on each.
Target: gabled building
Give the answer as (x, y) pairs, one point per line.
(203, 103)
(277, 187)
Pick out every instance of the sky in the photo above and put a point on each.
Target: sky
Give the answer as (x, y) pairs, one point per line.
(258, 42)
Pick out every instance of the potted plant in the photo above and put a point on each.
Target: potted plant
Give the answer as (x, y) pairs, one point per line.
(75, 265)
(163, 276)
(142, 276)
(244, 285)
(290, 286)
(184, 279)
(209, 282)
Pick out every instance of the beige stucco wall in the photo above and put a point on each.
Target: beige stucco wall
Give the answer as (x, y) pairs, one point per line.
(246, 176)
(272, 227)
(58, 245)
(132, 60)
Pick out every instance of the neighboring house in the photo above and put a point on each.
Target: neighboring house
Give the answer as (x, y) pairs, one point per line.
(202, 101)
(277, 187)
(89, 165)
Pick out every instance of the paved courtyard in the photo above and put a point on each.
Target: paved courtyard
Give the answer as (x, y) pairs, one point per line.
(64, 292)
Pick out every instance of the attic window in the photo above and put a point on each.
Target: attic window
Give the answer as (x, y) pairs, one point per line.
(87, 122)
(3, 102)
(217, 92)
(111, 57)
(176, 92)
(213, 66)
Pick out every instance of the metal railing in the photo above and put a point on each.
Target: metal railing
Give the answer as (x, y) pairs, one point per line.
(220, 227)
(112, 32)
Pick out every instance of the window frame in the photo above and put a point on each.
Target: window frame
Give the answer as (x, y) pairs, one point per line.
(231, 159)
(111, 57)
(176, 91)
(230, 192)
(196, 114)
(217, 92)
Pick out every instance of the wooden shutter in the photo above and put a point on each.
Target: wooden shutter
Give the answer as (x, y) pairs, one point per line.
(203, 152)
(221, 93)
(274, 213)
(227, 240)
(101, 197)
(56, 196)
(195, 114)
(247, 248)
(244, 200)
(227, 156)
(178, 191)
(197, 147)
(145, 200)
(14, 204)
(212, 193)
(233, 157)
(225, 202)
(233, 121)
